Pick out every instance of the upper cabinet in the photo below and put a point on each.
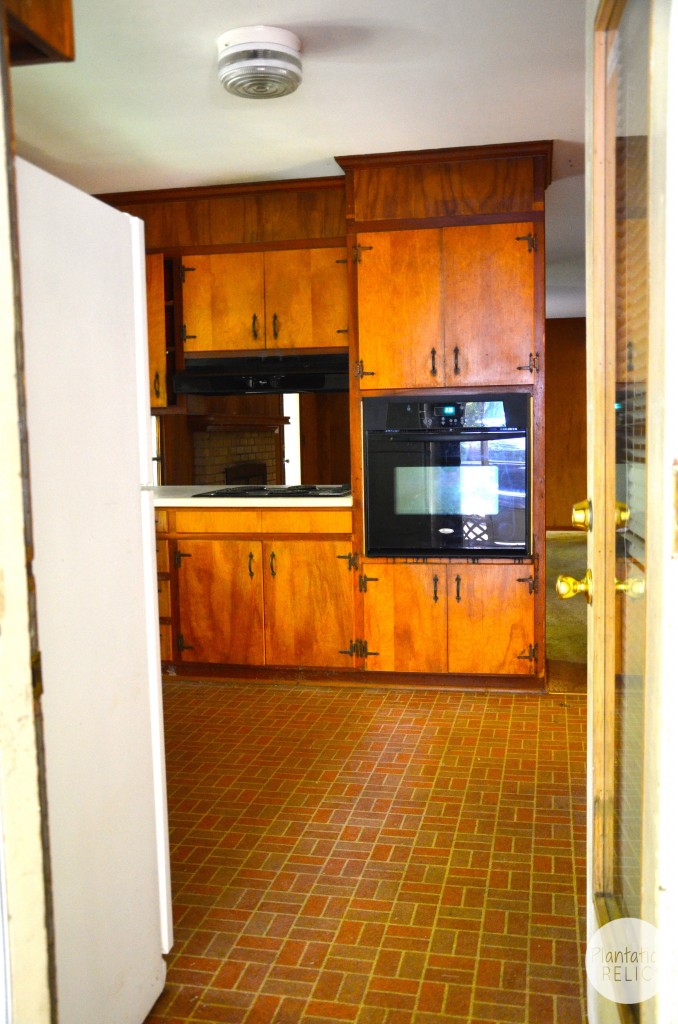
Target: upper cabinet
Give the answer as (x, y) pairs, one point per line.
(39, 31)
(449, 265)
(447, 307)
(279, 299)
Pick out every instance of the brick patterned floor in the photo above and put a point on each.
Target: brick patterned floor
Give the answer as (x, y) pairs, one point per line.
(374, 856)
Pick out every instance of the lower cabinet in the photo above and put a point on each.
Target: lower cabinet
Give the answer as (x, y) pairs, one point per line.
(308, 603)
(405, 618)
(273, 602)
(463, 619)
(221, 613)
(490, 619)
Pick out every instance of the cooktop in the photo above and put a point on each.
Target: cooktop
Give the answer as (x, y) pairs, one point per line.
(278, 491)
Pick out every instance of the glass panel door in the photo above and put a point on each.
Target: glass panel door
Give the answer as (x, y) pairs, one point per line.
(621, 257)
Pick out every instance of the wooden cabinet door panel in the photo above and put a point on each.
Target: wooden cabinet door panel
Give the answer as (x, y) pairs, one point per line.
(289, 322)
(157, 342)
(329, 298)
(223, 300)
(405, 611)
(220, 601)
(308, 601)
(489, 303)
(490, 619)
(400, 309)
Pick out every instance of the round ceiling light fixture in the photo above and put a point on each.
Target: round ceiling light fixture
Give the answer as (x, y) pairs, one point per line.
(259, 62)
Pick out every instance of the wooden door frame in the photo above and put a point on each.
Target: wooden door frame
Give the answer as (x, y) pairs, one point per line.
(659, 904)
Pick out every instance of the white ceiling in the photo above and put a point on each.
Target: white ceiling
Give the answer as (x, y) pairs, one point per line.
(141, 106)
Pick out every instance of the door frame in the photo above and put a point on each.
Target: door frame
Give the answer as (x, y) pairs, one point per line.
(660, 763)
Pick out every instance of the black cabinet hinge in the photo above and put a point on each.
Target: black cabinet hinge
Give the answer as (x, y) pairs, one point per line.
(532, 241)
(364, 580)
(532, 582)
(358, 251)
(182, 645)
(183, 270)
(178, 555)
(531, 653)
(352, 560)
(532, 365)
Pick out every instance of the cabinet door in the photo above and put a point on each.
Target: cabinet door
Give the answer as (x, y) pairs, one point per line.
(223, 301)
(157, 343)
(220, 601)
(490, 619)
(308, 601)
(489, 304)
(405, 611)
(400, 323)
(306, 298)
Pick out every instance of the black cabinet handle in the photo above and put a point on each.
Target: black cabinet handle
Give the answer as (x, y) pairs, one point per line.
(456, 360)
(434, 369)
(457, 580)
(255, 326)
(271, 563)
(156, 384)
(276, 325)
(435, 589)
(249, 565)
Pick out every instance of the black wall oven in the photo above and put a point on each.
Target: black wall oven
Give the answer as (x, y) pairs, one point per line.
(448, 475)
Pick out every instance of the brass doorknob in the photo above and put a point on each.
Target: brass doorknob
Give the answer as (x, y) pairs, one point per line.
(568, 586)
(633, 586)
(622, 514)
(581, 515)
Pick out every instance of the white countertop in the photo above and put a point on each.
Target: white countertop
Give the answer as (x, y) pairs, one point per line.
(183, 497)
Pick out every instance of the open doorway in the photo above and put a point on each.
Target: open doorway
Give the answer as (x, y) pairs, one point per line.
(565, 485)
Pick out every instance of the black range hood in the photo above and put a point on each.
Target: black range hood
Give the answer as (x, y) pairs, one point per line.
(264, 375)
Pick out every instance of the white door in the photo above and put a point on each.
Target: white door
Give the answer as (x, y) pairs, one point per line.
(83, 303)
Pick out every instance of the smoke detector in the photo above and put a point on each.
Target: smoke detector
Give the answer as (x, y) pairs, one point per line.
(259, 62)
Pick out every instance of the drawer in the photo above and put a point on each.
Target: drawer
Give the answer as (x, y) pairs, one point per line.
(165, 641)
(218, 520)
(164, 599)
(162, 555)
(306, 520)
(160, 520)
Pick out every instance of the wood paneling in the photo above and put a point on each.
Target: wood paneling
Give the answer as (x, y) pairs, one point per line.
(218, 520)
(565, 419)
(306, 520)
(447, 183)
(218, 217)
(325, 438)
(39, 31)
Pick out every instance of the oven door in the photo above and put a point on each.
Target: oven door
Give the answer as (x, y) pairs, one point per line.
(451, 494)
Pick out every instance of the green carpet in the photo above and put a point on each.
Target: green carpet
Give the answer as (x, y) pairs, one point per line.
(565, 620)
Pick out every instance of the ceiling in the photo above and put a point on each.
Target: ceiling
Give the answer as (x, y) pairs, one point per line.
(141, 106)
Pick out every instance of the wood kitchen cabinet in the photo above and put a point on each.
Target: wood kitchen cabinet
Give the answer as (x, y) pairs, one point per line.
(464, 619)
(220, 589)
(261, 599)
(490, 619)
(308, 600)
(157, 348)
(405, 617)
(447, 307)
(279, 299)
(489, 275)
(400, 309)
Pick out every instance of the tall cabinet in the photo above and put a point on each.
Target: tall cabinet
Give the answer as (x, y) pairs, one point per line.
(447, 294)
